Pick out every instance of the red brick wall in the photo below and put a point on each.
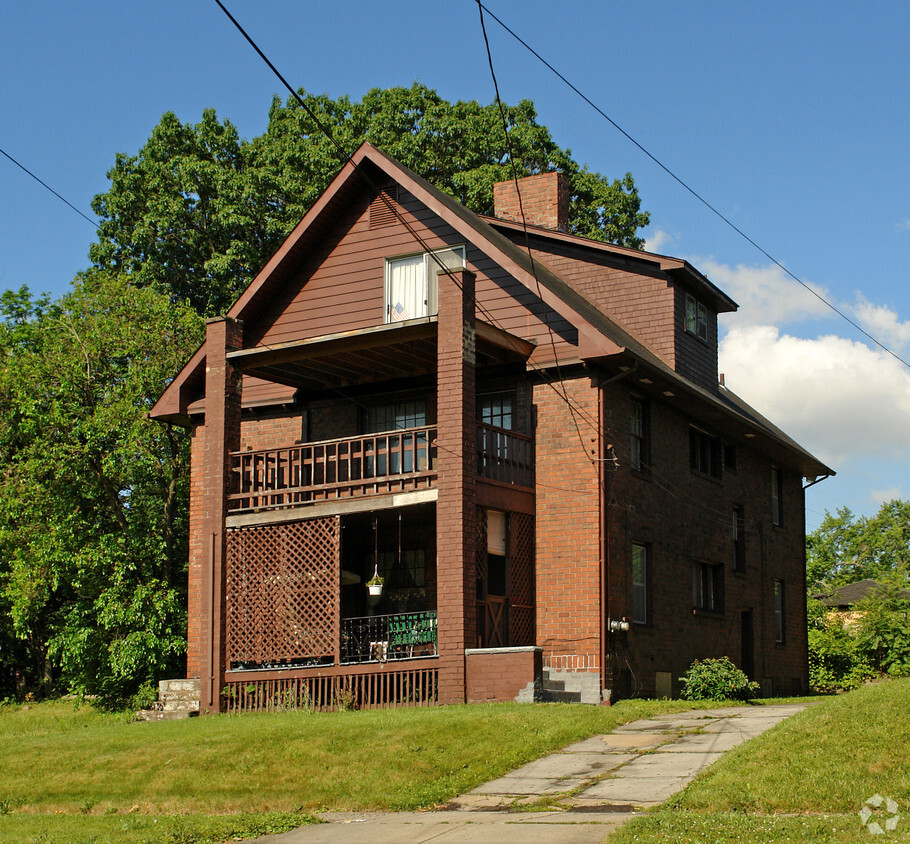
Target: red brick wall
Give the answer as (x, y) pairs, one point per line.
(456, 509)
(567, 520)
(500, 675)
(273, 431)
(196, 557)
(682, 517)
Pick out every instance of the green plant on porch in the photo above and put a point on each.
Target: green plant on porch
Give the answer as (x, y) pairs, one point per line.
(374, 584)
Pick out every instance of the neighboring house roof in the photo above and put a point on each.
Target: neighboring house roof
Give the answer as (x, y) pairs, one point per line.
(844, 597)
(600, 338)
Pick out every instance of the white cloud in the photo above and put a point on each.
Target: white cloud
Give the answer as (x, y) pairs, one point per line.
(880, 496)
(657, 239)
(839, 398)
(765, 295)
(882, 323)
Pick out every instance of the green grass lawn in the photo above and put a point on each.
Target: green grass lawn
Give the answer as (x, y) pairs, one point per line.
(805, 780)
(79, 775)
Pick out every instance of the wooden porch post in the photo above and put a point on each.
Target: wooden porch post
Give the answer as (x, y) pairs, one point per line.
(222, 436)
(456, 507)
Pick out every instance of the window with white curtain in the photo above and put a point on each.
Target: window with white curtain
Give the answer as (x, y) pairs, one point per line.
(411, 283)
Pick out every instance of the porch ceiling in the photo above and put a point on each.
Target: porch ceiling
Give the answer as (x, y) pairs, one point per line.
(379, 353)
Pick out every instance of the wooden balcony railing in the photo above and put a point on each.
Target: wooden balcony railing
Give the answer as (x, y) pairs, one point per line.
(306, 473)
(392, 461)
(505, 456)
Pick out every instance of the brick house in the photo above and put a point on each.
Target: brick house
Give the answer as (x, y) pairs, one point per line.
(521, 431)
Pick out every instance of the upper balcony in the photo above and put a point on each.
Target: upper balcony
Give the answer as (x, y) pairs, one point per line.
(402, 460)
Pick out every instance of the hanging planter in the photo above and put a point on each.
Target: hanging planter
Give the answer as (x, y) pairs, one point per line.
(374, 584)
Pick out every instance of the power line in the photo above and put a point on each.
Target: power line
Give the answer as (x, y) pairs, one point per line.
(688, 188)
(48, 187)
(524, 224)
(399, 216)
(594, 424)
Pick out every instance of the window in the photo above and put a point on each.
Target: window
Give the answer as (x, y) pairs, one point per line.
(777, 501)
(404, 569)
(640, 460)
(395, 454)
(395, 415)
(779, 611)
(639, 584)
(707, 587)
(696, 318)
(411, 283)
(496, 409)
(705, 453)
(739, 539)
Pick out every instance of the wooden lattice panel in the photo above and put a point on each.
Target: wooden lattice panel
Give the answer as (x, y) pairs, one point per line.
(282, 591)
(521, 579)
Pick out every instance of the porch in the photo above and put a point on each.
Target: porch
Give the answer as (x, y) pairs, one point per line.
(302, 526)
(402, 460)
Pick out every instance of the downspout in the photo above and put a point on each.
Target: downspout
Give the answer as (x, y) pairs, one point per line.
(604, 524)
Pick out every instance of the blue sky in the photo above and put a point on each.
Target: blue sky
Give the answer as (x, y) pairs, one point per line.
(790, 118)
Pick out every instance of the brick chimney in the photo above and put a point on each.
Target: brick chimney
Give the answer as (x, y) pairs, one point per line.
(544, 200)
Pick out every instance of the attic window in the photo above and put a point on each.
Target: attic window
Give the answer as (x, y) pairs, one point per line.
(382, 208)
(696, 318)
(411, 283)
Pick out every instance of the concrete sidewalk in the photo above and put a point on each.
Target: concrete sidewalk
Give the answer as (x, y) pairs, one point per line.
(597, 785)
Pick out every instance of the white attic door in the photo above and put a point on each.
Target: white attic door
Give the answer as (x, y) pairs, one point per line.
(411, 283)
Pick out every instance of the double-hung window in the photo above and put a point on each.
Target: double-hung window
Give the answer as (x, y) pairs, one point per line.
(707, 587)
(696, 318)
(779, 627)
(640, 458)
(739, 538)
(640, 584)
(777, 498)
(496, 409)
(395, 453)
(705, 453)
(411, 284)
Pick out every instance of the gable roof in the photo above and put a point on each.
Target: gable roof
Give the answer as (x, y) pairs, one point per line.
(600, 338)
(852, 593)
(699, 282)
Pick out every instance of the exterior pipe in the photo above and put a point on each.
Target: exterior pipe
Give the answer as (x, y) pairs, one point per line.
(605, 522)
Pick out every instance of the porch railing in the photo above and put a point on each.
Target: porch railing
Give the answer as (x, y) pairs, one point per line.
(392, 461)
(345, 687)
(309, 472)
(385, 638)
(505, 456)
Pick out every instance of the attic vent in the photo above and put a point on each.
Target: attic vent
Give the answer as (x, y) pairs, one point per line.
(382, 208)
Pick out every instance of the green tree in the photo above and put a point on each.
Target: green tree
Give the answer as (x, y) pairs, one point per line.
(883, 625)
(198, 211)
(92, 531)
(845, 548)
(836, 661)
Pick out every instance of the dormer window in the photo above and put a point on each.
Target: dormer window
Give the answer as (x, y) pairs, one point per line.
(410, 283)
(696, 318)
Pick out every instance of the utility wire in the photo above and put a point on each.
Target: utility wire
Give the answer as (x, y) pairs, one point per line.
(524, 224)
(691, 190)
(48, 187)
(593, 423)
(391, 206)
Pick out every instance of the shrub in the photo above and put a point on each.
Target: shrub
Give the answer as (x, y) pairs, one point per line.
(716, 679)
(836, 663)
